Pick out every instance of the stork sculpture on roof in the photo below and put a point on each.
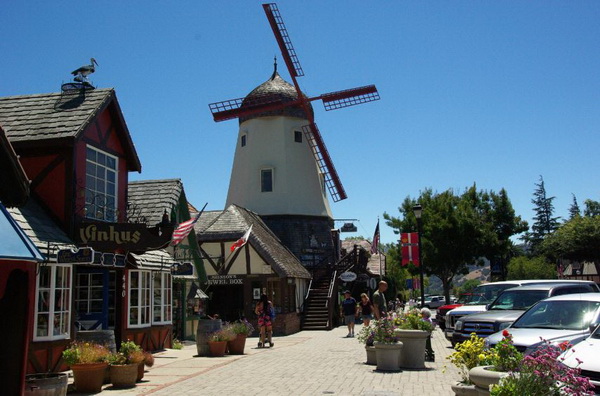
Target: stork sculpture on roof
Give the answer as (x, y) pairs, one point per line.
(83, 72)
(257, 104)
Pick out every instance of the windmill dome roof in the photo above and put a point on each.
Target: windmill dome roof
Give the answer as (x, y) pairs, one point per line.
(274, 89)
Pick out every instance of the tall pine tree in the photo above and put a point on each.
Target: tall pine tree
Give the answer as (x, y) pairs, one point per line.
(574, 210)
(544, 223)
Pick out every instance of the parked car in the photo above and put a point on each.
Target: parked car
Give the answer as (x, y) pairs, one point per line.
(509, 306)
(434, 302)
(555, 319)
(487, 293)
(585, 356)
(440, 316)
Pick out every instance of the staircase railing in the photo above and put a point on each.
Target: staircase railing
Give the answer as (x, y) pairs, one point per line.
(330, 303)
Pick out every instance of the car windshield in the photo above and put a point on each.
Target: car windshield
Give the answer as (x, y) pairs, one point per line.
(559, 315)
(485, 294)
(518, 299)
(464, 299)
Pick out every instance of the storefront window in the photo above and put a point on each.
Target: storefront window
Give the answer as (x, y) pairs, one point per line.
(162, 298)
(100, 185)
(53, 302)
(139, 298)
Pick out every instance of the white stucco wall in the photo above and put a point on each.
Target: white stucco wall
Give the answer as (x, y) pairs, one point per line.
(297, 183)
(257, 264)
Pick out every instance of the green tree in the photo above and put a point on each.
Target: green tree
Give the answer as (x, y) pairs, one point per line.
(459, 229)
(574, 210)
(577, 239)
(469, 285)
(592, 208)
(530, 268)
(544, 222)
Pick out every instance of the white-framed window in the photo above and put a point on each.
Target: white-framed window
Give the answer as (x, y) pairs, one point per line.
(100, 185)
(161, 291)
(266, 180)
(53, 303)
(139, 298)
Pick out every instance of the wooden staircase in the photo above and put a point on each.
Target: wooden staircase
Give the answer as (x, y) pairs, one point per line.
(316, 310)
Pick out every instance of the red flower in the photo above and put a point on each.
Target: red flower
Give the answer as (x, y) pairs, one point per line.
(505, 333)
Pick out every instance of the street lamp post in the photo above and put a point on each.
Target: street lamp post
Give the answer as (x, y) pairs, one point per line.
(418, 211)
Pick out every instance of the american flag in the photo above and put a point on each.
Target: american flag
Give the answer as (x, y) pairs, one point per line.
(375, 243)
(184, 229)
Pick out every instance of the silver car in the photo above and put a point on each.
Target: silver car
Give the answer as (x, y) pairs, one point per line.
(556, 319)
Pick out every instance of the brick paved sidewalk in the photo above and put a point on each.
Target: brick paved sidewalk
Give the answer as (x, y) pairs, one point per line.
(306, 363)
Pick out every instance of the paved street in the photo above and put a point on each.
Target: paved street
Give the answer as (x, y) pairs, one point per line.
(306, 363)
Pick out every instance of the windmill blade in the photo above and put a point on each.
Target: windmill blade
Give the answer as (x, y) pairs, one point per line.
(240, 107)
(283, 39)
(332, 180)
(349, 97)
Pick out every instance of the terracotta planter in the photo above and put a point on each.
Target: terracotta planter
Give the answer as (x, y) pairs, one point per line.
(413, 353)
(140, 372)
(388, 356)
(371, 355)
(464, 390)
(483, 377)
(217, 348)
(123, 376)
(88, 378)
(237, 345)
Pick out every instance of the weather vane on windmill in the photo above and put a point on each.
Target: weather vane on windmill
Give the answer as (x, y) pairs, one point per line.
(275, 99)
(81, 81)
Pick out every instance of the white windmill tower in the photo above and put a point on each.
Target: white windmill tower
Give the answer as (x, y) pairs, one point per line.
(282, 169)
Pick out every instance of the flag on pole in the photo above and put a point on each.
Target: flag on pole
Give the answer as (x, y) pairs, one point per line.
(375, 243)
(410, 248)
(416, 284)
(242, 241)
(184, 229)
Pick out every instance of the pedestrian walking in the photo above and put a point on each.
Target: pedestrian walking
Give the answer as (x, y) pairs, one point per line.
(365, 306)
(379, 302)
(349, 311)
(265, 312)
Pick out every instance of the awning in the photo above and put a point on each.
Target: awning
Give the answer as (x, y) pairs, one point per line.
(16, 245)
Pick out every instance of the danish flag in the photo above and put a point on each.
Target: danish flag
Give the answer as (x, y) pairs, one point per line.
(410, 248)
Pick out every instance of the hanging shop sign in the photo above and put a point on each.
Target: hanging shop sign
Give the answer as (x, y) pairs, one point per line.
(109, 259)
(225, 280)
(134, 237)
(84, 255)
(348, 276)
(182, 269)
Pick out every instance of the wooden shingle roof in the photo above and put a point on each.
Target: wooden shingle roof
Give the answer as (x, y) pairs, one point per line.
(233, 222)
(152, 197)
(54, 117)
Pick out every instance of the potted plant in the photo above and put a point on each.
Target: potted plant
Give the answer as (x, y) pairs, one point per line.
(388, 348)
(469, 354)
(241, 329)
(413, 332)
(124, 365)
(148, 361)
(88, 361)
(504, 358)
(217, 342)
(366, 336)
(542, 373)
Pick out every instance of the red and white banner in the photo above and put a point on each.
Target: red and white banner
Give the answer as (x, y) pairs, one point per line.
(409, 242)
(242, 241)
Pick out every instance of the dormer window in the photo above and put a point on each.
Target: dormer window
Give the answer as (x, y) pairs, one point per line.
(100, 185)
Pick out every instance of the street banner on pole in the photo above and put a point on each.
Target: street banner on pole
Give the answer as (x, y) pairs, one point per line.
(410, 248)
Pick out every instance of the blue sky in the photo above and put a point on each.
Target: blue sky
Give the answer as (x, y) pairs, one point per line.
(494, 93)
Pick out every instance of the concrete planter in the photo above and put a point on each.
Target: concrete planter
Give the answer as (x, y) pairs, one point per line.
(388, 356)
(461, 389)
(483, 377)
(371, 355)
(413, 353)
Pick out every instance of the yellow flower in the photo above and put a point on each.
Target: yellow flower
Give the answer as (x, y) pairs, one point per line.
(481, 356)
